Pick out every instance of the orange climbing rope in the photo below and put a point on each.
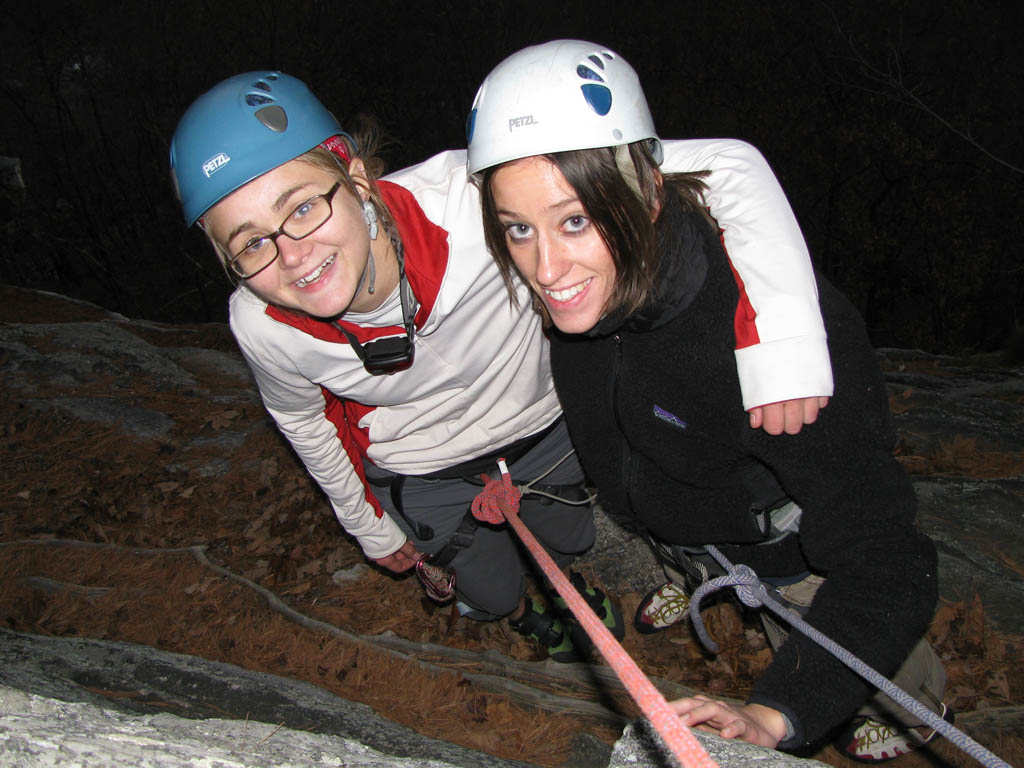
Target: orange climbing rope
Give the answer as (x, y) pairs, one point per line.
(498, 502)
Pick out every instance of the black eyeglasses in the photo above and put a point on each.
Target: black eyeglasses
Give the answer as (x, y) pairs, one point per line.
(305, 219)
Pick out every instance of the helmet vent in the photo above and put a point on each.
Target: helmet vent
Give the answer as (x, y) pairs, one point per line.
(257, 99)
(261, 85)
(274, 117)
(598, 97)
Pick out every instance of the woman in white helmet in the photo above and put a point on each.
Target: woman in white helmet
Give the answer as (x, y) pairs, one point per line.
(648, 309)
(384, 346)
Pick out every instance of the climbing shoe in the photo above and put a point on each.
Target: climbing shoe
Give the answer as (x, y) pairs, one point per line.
(661, 608)
(548, 630)
(873, 741)
(600, 603)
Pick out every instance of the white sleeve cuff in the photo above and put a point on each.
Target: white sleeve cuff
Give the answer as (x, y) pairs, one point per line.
(378, 536)
(786, 369)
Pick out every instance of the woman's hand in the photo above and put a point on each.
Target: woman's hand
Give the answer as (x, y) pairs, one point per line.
(401, 560)
(787, 416)
(753, 723)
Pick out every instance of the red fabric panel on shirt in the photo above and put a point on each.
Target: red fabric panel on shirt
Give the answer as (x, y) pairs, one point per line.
(341, 413)
(743, 322)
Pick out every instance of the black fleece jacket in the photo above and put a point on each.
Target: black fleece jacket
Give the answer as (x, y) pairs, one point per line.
(653, 405)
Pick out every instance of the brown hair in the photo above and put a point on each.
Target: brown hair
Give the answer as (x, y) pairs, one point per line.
(622, 214)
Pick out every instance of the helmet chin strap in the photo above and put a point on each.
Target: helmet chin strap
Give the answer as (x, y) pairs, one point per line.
(627, 168)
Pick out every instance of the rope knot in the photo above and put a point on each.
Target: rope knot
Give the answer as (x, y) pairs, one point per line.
(749, 588)
(487, 504)
(742, 578)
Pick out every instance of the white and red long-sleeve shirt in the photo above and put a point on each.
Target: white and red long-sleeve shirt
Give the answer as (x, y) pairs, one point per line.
(481, 376)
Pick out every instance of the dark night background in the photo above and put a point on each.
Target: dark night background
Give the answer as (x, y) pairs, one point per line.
(894, 127)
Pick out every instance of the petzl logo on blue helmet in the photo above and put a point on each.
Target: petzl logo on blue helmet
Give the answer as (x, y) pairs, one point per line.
(215, 163)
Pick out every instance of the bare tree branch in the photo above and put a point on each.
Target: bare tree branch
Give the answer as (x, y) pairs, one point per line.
(894, 86)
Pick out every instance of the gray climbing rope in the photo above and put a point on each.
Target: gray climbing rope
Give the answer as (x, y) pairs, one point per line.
(753, 594)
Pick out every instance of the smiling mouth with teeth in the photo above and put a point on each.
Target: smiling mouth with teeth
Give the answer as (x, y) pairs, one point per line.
(313, 276)
(568, 293)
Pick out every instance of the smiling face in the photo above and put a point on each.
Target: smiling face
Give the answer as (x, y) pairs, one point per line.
(555, 246)
(319, 274)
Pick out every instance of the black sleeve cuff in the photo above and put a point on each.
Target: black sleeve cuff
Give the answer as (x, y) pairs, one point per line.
(794, 741)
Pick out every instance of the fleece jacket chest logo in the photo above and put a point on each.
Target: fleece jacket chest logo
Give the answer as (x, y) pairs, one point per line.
(671, 418)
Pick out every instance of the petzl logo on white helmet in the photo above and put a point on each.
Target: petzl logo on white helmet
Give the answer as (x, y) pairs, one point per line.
(519, 122)
(215, 163)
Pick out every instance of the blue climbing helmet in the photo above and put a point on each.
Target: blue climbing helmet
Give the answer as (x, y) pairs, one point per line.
(559, 96)
(240, 129)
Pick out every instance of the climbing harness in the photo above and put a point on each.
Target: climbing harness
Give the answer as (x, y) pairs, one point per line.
(753, 594)
(437, 579)
(499, 502)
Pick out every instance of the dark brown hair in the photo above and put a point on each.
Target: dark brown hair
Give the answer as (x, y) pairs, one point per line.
(622, 214)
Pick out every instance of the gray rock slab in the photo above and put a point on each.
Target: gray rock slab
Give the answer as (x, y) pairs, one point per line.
(85, 351)
(978, 398)
(978, 530)
(136, 420)
(74, 701)
(37, 731)
(145, 682)
(221, 363)
(622, 555)
(640, 748)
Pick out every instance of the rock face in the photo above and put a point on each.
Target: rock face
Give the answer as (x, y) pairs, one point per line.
(961, 425)
(48, 732)
(92, 703)
(961, 428)
(110, 704)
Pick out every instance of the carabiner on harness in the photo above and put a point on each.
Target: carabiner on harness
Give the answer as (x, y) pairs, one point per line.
(438, 581)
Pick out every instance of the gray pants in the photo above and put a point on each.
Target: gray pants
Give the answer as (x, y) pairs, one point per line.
(921, 675)
(490, 572)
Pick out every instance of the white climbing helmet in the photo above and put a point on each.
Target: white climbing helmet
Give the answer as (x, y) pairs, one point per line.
(562, 95)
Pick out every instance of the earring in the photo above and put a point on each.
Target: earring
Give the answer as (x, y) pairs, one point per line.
(371, 218)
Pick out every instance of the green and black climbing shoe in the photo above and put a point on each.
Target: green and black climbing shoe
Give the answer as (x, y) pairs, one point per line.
(607, 611)
(548, 630)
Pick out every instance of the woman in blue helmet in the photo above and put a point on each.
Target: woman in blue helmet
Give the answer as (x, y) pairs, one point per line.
(383, 343)
(626, 264)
